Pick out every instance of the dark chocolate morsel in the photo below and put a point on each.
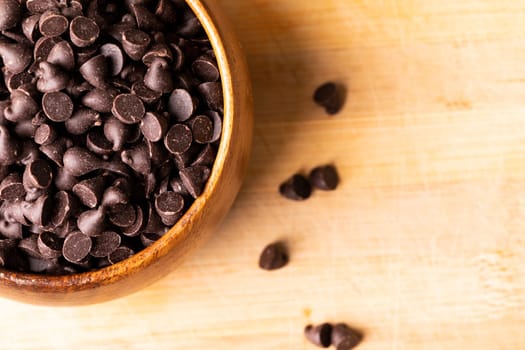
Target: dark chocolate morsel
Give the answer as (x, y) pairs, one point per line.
(158, 76)
(10, 14)
(62, 55)
(202, 129)
(320, 335)
(194, 178)
(89, 191)
(273, 257)
(344, 337)
(104, 244)
(83, 31)
(206, 69)
(92, 222)
(114, 57)
(178, 139)
(9, 147)
(206, 156)
(117, 193)
(55, 151)
(212, 94)
(153, 126)
(64, 181)
(40, 211)
(121, 253)
(128, 108)
(116, 132)
(136, 228)
(50, 78)
(11, 188)
(100, 100)
(14, 81)
(324, 178)
(52, 24)
(137, 158)
(45, 134)
(181, 104)
(145, 19)
(65, 205)
(22, 107)
(29, 246)
(96, 71)
(97, 143)
(57, 106)
(30, 27)
(144, 93)
(296, 188)
(166, 11)
(77, 246)
(15, 57)
(159, 50)
(79, 161)
(37, 175)
(43, 47)
(49, 245)
(122, 215)
(81, 121)
(330, 96)
(135, 43)
(41, 6)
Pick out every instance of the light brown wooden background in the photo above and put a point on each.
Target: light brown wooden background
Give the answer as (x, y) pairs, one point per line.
(423, 245)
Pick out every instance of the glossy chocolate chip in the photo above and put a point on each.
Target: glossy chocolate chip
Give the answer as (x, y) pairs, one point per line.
(15, 57)
(65, 205)
(22, 107)
(30, 28)
(62, 55)
(79, 161)
(122, 215)
(89, 191)
(147, 95)
(344, 337)
(181, 104)
(116, 194)
(29, 246)
(212, 94)
(41, 6)
(83, 31)
(45, 134)
(194, 178)
(206, 156)
(81, 121)
(128, 108)
(158, 76)
(273, 257)
(52, 24)
(11, 230)
(97, 143)
(57, 106)
(324, 178)
(320, 335)
(55, 151)
(105, 244)
(92, 222)
(51, 78)
(116, 132)
(178, 139)
(136, 228)
(11, 188)
(135, 43)
(114, 56)
(145, 19)
(205, 68)
(202, 129)
(153, 127)
(296, 188)
(10, 14)
(37, 175)
(77, 246)
(96, 71)
(49, 245)
(43, 47)
(169, 204)
(137, 158)
(330, 96)
(14, 81)
(121, 253)
(100, 100)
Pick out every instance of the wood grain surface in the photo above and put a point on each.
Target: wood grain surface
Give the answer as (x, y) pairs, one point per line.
(422, 246)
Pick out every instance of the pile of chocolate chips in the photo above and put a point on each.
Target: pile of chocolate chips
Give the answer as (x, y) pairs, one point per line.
(110, 118)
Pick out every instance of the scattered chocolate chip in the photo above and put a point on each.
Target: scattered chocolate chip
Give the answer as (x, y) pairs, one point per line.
(147, 95)
(194, 178)
(37, 175)
(344, 337)
(30, 28)
(100, 100)
(65, 205)
(23, 107)
(320, 335)
(153, 127)
(116, 132)
(51, 78)
(62, 55)
(11, 230)
(330, 96)
(136, 228)
(169, 204)
(16, 57)
(97, 143)
(202, 129)
(83, 31)
(77, 246)
(296, 188)
(57, 106)
(324, 178)
(41, 6)
(52, 24)
(137, 158)
(128, 108)
(273, 257)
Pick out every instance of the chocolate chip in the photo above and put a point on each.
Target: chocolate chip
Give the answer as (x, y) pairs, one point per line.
(135, 43)
(194, 178)
(158, 76)
(84, 54)
(43, 47)
(41, 6)
(10, 14)
(136, 228)
(153, 127)
(57, 106)
(123, 215)
(29, 246)
(65, 205)
(13, 211)
(169, 204)
(178, 139)
(92, 222)
(116, 132)
(273, 257)
(324, 178)
(145, 19)
(128, 108)
(202, 129)
(190, 25)
(81, 121)
(344, 337)
(40, 211)
(77, 246)
(177, 186)
(11, 230)
(105, 244)
(37, 175)
(89, 191)
(148, 239)
(320, 335)
(79, 162)
(158, 51)
(116, 194)
(52, 24)
(121, 253)
(45, 134)
(64, 181)
(97, 143)
(62, 55)
(100, 100)
(51, 78)
(30, 28)
(296, 188)
(137, 158)
(206, 69)
(181, 104)
(330, 96)
(212, 94)
(147, 95)
(114, 57)
(49, 245)
(11, 188)
(83, 31)
(9, 147)
(15, 81)
(95, 71)
(55, 151)
(133, 73)
(22, 107)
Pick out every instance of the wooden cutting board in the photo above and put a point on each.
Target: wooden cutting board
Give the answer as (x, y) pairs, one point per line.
(423, 244)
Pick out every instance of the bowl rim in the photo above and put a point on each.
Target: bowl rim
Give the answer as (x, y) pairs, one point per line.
(149, 255)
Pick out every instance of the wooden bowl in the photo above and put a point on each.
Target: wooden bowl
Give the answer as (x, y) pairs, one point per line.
(202, 218)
